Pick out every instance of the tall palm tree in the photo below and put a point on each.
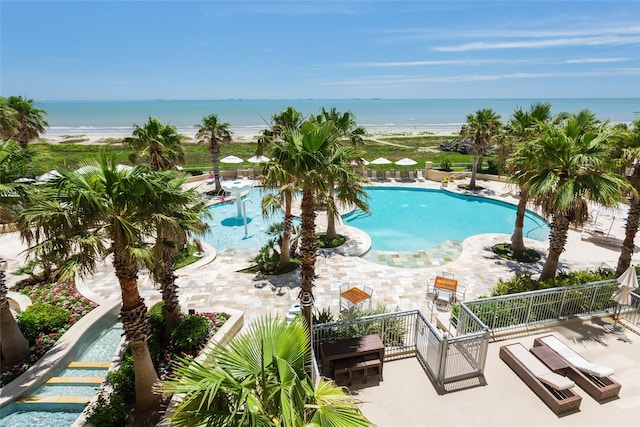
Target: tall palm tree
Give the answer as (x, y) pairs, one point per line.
(481, 128)
(14, 164)
(346, 130)
(310, 147)
(629, 147)
(158, 144)
(523, 127)
(573, 167)
(161, 146)
(103, 210)
(31, 123)
(260, 379)
(279, 173)
(8, 122)
(213, 133)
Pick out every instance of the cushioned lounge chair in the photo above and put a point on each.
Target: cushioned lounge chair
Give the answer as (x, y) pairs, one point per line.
(554, 389)
(591, 377)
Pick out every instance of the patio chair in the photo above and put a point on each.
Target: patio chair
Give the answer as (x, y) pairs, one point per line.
(374, 175)
(411, 177)
(345, 304)
(368, 290)
(591, 377)
(387, 175)
(420, 176)
(554, 389)
(398, 177)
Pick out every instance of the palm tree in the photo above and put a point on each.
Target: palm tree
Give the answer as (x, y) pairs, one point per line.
(161, 146)
(523, 127)
(8, 122)
(629, 145)
(260, 379)
(14, 164)
(31, 123)
(345, 127)
(573, 167)
(279, 173)
(158, 144)
(13, 345)
(104, 210)
(213, 132)
(481, 127)
(310, 148)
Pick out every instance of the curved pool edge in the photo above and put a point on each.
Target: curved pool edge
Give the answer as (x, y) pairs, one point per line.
(64, 351)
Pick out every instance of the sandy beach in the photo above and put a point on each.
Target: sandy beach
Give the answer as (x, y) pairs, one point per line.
(241, 135)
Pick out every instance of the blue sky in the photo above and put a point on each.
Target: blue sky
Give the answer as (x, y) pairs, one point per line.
(66, 50)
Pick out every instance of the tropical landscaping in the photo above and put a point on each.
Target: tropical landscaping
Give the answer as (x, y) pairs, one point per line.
(135, 211)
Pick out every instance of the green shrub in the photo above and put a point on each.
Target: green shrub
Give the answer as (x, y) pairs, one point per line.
(392, 332)
(42, 319)
(324, 316)
(189, 334)
(446, 164)
(156, 316)
(123, 379)
(108, 411)
(493, 167)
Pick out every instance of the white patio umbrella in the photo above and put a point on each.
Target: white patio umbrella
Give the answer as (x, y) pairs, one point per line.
(231, 159)
(363, 162)
(406, 162)
(258, 159)
(50, 176)
(380, 161)
(628, 281)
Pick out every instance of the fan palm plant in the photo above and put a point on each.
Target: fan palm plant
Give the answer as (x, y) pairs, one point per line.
(573, 166)
(104, 210)
(157, 144)
(481, 128)
(29, 119)
(213, 132)
(260, 379)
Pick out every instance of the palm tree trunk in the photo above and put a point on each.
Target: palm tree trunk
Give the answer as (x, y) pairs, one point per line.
(517, 240)
(287, 226)
(216, 169)
(479, 163)
(557, 241)
(630, 231)
(308, 249)
(474, 169)
(331, 213)
(14, 345)
(169, 291)
(137, 330)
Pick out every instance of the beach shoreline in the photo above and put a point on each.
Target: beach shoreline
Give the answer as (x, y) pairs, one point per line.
(239, 135)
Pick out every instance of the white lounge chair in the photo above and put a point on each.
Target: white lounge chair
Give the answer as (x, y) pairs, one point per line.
(576, 359)
(420, 176)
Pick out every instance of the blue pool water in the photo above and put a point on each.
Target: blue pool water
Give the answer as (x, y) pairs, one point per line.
(59, 414)
(227, 230)
(401, 219)
(408, 220)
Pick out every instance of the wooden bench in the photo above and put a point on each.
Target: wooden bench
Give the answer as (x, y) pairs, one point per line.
(357, 363)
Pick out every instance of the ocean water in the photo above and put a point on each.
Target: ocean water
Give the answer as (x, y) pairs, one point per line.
(251, 116)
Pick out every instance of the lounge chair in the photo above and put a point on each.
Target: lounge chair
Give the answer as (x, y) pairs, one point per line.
(410, 177)
(387, 175)
(374, 175)
(554, 389)
(398, 177)
(591, 377)
(420, 176)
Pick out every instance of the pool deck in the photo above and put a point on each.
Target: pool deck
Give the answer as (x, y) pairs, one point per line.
(406, 397)
(215, 280)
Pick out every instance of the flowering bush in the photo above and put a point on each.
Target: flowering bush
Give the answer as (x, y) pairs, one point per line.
(63, 295)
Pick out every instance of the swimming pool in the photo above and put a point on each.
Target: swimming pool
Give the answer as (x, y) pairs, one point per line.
(227, 230)
(408, 220)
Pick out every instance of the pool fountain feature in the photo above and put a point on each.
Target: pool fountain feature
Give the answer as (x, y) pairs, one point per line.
(236, 188)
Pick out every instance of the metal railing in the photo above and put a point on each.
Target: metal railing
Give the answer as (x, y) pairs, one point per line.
(631, 313)
(511, 312)
(410, 334)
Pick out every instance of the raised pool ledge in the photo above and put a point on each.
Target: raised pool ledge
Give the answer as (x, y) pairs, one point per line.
(69, 346)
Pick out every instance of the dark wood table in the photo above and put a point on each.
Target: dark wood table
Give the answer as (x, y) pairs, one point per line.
(355, 295)
(343, 349)
(553, 360)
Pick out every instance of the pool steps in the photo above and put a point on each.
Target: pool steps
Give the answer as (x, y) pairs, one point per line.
(88, 381)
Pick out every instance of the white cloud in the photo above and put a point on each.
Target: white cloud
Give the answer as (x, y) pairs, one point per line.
(529, 44)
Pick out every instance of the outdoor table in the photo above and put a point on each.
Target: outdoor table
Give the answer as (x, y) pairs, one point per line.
(355, 295)
(344, 349)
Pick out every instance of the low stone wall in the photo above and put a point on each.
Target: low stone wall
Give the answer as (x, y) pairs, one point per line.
(8, 228)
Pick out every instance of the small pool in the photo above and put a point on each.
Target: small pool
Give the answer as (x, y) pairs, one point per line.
(408, 220)
(227, 230)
